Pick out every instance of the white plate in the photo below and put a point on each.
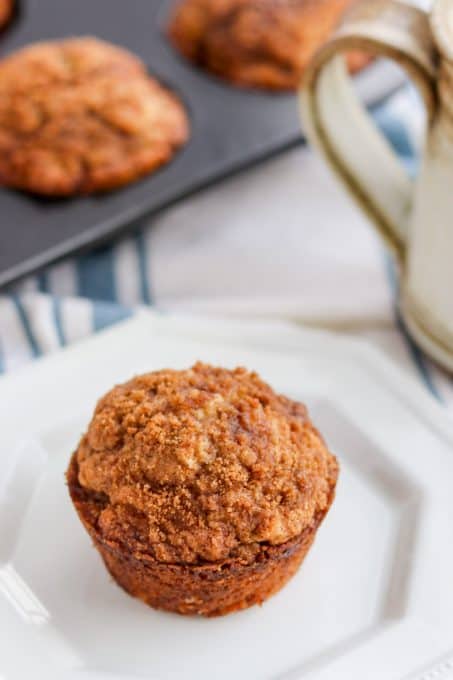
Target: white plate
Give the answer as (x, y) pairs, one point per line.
(374, 599)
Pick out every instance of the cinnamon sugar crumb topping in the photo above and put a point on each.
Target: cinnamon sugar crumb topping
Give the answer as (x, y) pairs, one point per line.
(204, 464)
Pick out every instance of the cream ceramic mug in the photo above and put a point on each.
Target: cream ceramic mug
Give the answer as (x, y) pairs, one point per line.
(415, 218)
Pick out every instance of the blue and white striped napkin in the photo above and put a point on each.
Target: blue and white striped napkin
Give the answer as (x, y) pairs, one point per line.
(281, 240)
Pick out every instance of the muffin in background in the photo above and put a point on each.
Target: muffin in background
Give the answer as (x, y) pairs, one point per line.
(256, 43)
(202, 489)
(6, 12)
(80, 115)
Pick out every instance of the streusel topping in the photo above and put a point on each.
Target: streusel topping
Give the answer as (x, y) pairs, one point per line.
(204, 464)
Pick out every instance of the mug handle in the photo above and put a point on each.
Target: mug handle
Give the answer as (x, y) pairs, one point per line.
(336, 122)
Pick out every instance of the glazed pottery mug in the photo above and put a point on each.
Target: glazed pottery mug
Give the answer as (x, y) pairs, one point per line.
(415, 218)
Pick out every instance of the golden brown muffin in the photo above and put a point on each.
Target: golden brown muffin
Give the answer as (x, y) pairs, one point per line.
(256, 43)
(79, 116)
(6, 10)
(202, 489)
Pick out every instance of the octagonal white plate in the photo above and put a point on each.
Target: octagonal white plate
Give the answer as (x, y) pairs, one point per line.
(373, 600)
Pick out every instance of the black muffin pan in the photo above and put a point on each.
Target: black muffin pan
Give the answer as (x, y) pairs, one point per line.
(230, 129)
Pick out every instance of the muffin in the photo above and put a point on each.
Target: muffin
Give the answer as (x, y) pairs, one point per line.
(6, 11)
(256, 43)
(202, 489)
(79, 116)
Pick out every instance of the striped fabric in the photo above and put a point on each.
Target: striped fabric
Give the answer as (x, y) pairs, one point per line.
(215, 254)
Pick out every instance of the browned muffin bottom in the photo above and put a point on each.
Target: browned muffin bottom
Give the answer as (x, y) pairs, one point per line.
(256, 43)
(202, 489)
(6, 10)
(80, 115)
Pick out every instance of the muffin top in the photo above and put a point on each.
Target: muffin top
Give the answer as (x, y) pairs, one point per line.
(81, 115)
(256, 43)
(203, 465)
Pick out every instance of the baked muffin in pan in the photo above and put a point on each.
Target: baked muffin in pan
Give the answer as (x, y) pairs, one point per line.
(80, 115)
(6, 12)
(202, 489)
(256, 43)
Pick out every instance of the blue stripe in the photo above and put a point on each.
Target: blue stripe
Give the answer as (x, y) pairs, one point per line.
(416, 354)
(140, 244)
(105, 314)
(56, 309)
(21, 313)
(95, 275)
(418, 359)
(396, 134)
(43, 282)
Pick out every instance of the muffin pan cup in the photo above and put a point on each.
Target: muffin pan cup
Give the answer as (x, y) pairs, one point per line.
(231, 129)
